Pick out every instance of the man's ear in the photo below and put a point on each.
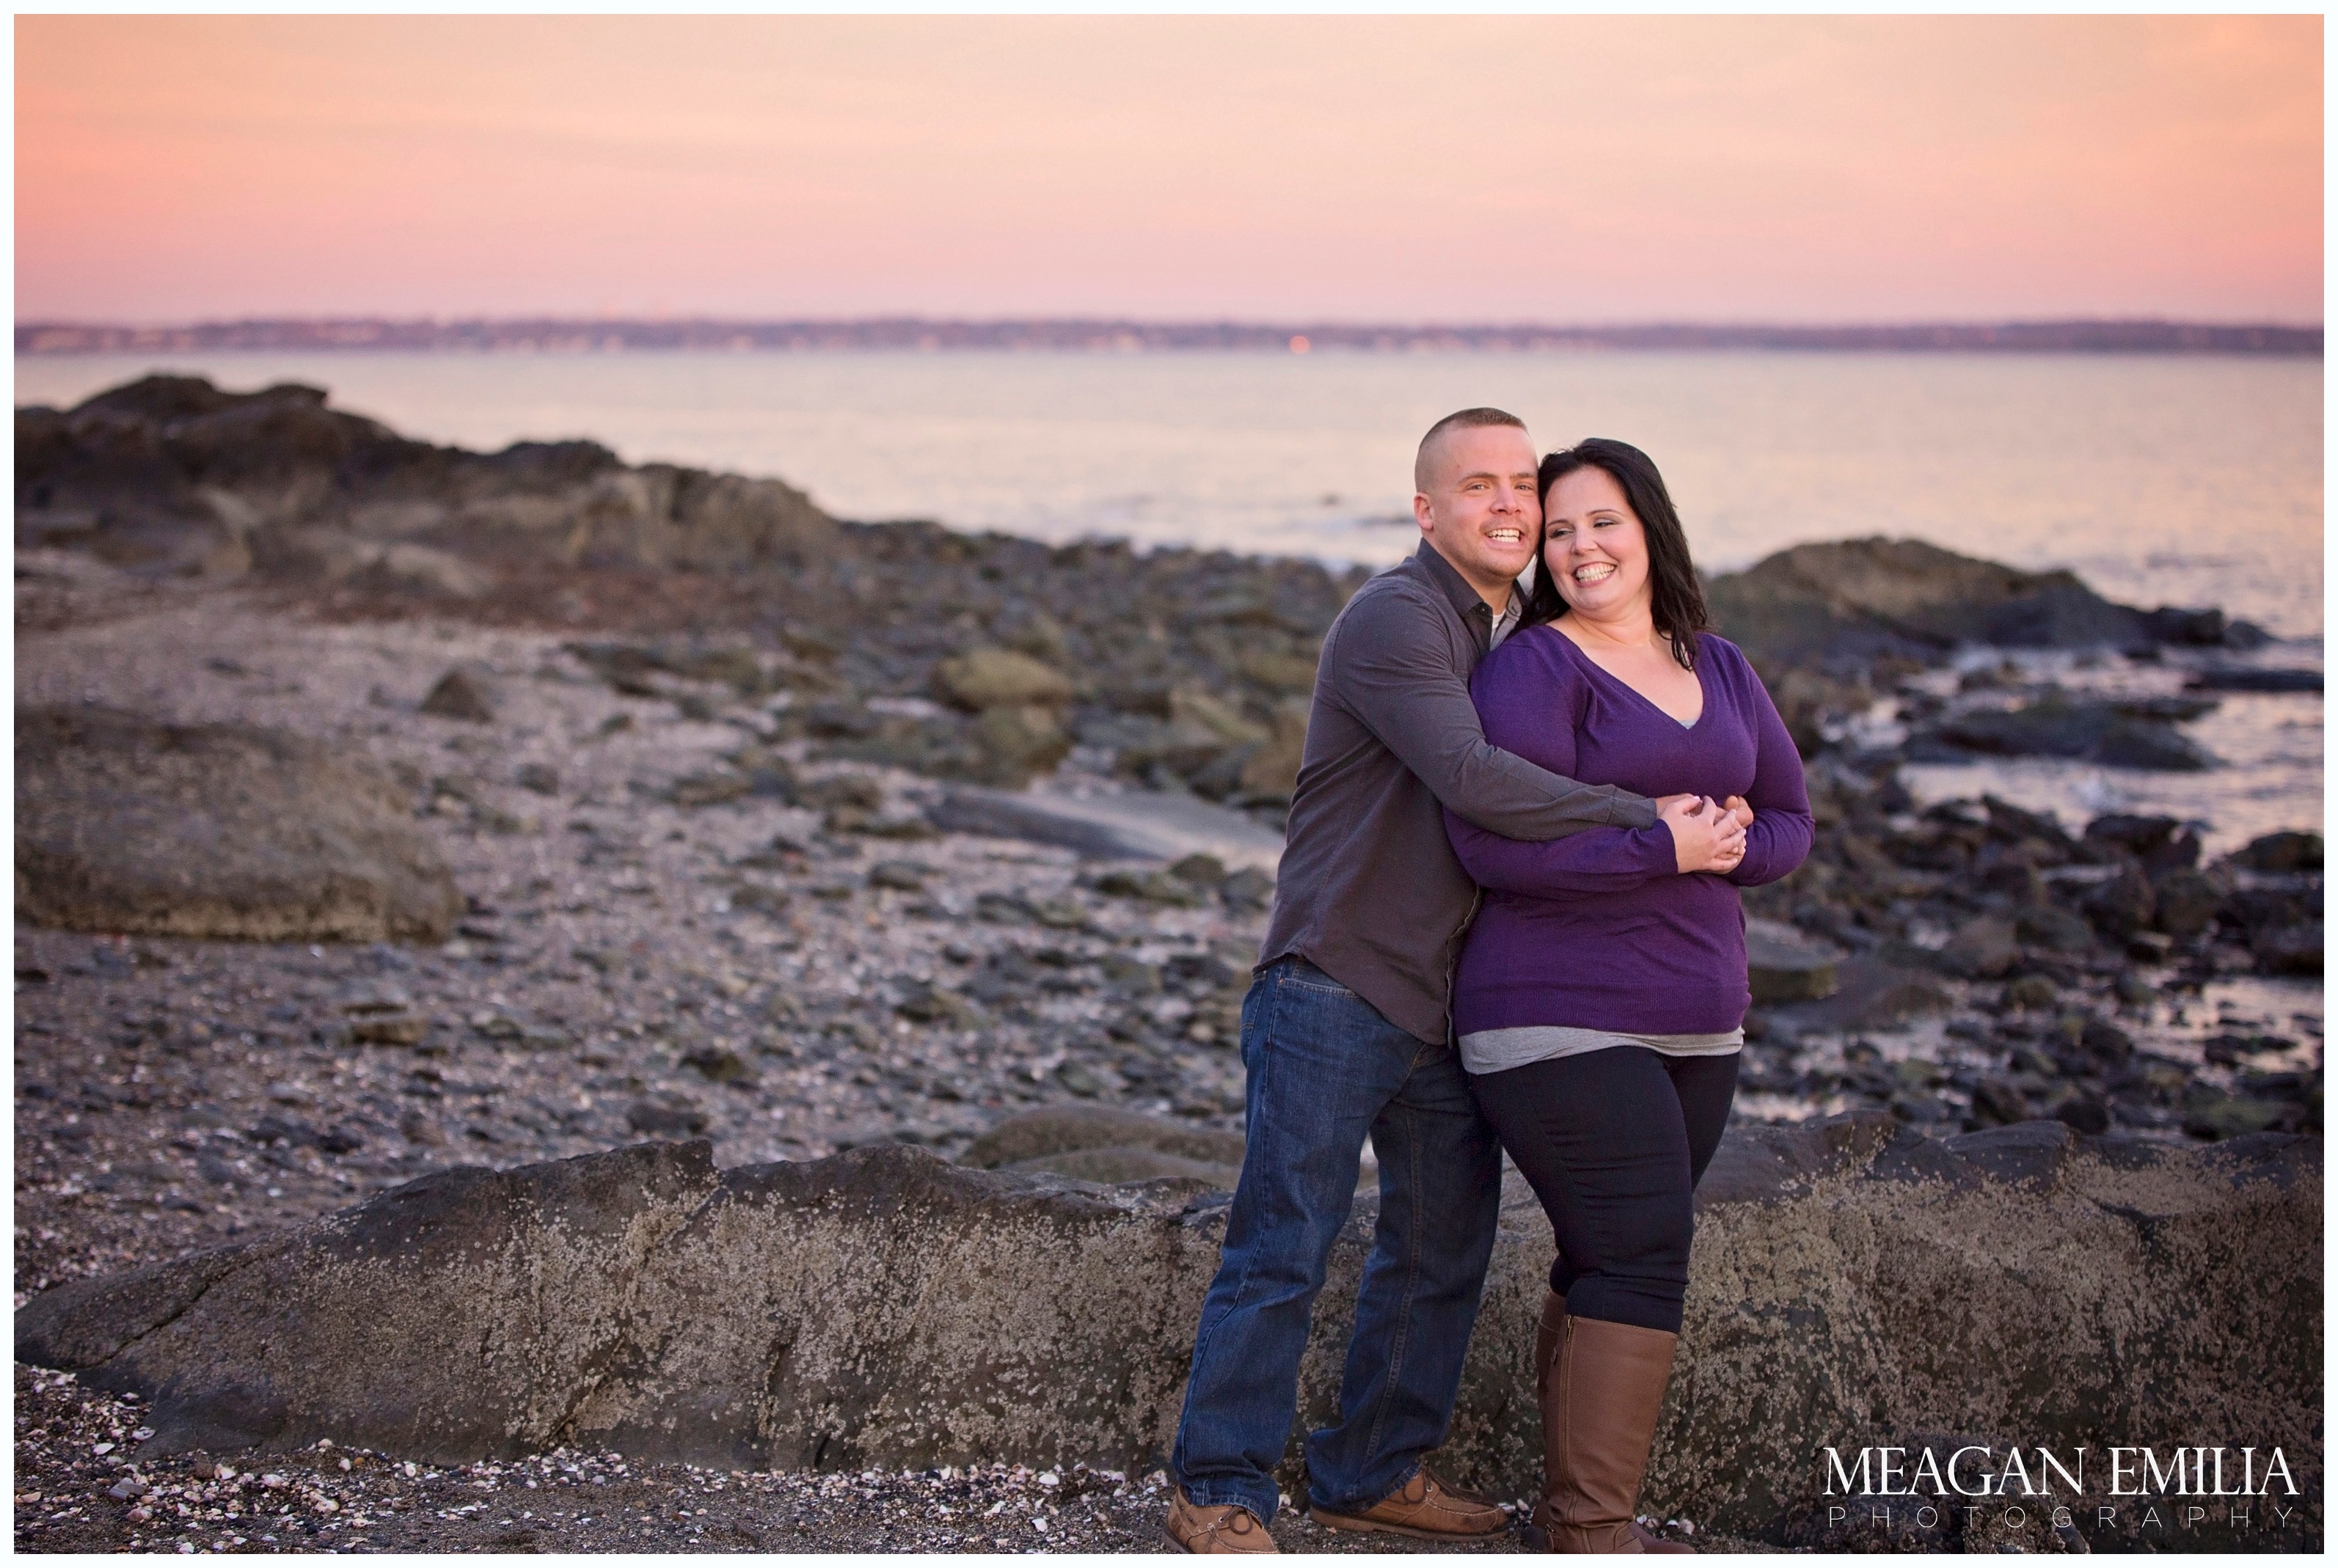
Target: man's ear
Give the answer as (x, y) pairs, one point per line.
(1422, 515)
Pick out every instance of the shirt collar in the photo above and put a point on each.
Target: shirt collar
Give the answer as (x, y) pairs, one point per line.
(1464, 597)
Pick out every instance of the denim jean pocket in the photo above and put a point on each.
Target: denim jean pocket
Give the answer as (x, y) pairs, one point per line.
(1307, 977)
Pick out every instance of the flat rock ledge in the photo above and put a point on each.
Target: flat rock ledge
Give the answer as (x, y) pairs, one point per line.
(1854, 1283)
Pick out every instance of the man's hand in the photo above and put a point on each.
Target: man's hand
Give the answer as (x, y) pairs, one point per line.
(1705, 836)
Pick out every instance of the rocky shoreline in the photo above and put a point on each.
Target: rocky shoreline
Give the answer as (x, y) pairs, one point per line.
(666, 796)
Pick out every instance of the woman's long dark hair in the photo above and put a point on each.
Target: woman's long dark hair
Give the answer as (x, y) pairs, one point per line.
(1677, 599)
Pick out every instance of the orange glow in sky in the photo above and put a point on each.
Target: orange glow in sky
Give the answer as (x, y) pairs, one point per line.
(1401, 168)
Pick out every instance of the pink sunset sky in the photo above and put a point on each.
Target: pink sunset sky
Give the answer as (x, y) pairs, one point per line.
(1398, 168)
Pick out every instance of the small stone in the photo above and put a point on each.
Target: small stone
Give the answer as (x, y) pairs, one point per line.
(2082, 1114)
(1981, 948)
(2219, 1116)
(1080, 1080)
(1996, 1101)
(541, 778)
(459, 694)
(718, 1064)
(1248, 888)
(1153, 886)
(714, 789)
(2051, 926)
(666, 1117)
(2289, 949)
(761, 897)
(1785, 966)
(2031, 993)
(389, 1029)
(1201, 871)
(2107, 1041)
(901, 876)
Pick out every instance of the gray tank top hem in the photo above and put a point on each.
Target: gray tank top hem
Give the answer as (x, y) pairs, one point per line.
(1499, 1049)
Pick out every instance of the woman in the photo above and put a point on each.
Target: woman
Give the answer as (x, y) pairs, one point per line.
(1600, 997)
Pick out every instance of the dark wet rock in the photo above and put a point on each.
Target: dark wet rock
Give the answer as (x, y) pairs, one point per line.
(1248, 888)
(2244, 679)
(2106, 1041)
(217, 830)
(2289, 949)
(2282, 852)
(2160, 843)
(1982, 948)
(2084, 1115)
(2185, 904)
(1995, 1101)
(1873, 993)
(1851, 1281)
(460, 694)
(2058, 725)
(2122, 904)
(2055, 929)
(1784, 966)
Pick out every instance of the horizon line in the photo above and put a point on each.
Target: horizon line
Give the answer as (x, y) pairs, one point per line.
(573, 333)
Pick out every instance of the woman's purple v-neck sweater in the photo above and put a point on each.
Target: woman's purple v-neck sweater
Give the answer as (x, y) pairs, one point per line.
(1598, 931)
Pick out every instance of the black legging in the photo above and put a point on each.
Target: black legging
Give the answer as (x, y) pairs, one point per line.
(1613, 1142)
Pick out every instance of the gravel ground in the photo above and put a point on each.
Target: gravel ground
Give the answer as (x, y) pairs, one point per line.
(77, 1492)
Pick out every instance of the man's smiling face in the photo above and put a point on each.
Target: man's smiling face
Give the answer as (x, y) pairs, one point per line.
(1481, 510)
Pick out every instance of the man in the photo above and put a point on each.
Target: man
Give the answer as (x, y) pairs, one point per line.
(1345, 1032)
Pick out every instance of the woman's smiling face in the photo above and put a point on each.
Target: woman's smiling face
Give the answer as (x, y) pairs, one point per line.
(1593, 545)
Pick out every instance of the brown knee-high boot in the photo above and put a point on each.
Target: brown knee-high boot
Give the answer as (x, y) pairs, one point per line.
(1601, 1386)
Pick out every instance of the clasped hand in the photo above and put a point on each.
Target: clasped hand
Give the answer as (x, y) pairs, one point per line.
(1708, 835)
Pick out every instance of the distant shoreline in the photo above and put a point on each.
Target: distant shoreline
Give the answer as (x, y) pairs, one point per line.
(561, 335)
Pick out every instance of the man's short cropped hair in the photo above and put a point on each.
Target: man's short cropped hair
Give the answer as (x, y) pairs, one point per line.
(1466, 420)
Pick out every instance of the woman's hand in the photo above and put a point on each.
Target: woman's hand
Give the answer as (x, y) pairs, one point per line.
(1706, 836)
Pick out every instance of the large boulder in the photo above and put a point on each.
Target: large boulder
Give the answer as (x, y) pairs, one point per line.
(1852, 1282)
(172, 476)
(1844, 602)
(1098, 1144)
(216, 830)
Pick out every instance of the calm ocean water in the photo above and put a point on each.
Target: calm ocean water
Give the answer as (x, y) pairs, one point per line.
(2160, 480)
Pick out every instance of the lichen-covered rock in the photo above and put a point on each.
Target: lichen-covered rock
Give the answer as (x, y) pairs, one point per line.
(982, 679)
(216, 830)
(1851, 1281)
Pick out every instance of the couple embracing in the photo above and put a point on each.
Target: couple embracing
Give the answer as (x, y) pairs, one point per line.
(1507, 919)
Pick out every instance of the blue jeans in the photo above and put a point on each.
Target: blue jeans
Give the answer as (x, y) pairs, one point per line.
(1325, 1070)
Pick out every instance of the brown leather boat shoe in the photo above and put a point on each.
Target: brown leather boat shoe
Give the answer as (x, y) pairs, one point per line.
(1427, 1509)
(1230, 1527)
